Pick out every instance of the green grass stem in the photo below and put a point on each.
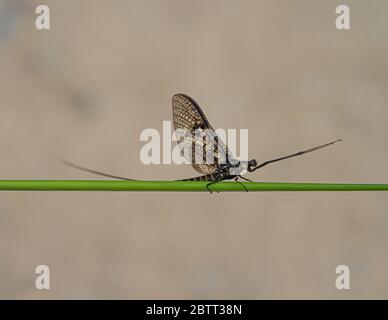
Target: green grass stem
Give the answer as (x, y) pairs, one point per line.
(197, 186)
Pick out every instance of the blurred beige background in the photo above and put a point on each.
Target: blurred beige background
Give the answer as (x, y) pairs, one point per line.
(107, 69)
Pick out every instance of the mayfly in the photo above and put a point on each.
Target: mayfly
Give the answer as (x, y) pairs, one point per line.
(189, 117)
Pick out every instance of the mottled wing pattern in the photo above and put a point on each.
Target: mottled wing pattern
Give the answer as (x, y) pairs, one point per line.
(188, 115)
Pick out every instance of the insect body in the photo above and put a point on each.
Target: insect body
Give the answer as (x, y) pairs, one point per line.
(188, 116)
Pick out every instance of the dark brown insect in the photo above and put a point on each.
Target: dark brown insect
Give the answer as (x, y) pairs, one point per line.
(189, 117)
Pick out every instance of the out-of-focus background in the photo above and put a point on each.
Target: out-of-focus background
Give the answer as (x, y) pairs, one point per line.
(106, 70)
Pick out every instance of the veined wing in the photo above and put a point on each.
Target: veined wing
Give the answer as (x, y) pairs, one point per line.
(188, 116)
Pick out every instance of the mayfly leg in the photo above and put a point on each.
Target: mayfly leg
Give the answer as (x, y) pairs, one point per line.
(246, 179)
(209, 184)
(236, 179)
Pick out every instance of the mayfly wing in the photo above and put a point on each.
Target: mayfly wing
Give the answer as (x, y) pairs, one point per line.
(188, 116)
